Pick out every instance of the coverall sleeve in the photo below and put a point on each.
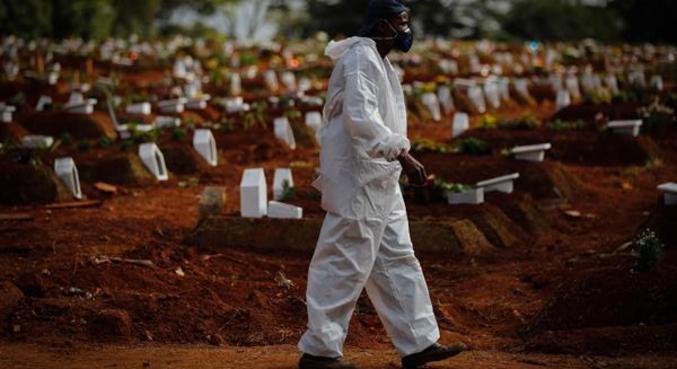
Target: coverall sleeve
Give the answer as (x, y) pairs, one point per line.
(364, 122)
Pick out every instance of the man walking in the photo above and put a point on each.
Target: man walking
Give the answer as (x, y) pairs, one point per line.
(365, 241)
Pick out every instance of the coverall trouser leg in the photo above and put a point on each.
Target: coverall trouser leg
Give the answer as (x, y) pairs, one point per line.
(376, 254)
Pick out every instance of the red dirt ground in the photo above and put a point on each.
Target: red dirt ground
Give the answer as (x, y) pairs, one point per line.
(506, 306)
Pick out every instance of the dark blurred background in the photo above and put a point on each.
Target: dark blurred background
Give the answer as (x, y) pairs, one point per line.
(505, 20)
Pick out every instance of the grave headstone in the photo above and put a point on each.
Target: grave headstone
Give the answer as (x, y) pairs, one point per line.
(503, 184)
(282, 181)
(657, 82)
(172, 106)
(430, 101)
(198, 103)
(278, 210)
(533, 153)
(37, 142)
(205, 145)
(289, 80)
(522, 86)
(460, 124)
(253, 194)
(143, 108)
(67, 172)
(153, 160)
(270, 79)
(626, 127)
(445, 99)
(492, 94)
(563, 100)
(573, 87)
(235, 84)
(473, 196)
(162, 122)
(6, 112)
(669, 191)
(284, 132)
(611, 83)
(477, 97)
(43, 102)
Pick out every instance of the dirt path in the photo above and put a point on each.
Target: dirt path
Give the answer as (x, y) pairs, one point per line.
(284, 357)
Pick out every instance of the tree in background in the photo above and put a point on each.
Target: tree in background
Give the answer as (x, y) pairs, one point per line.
(648, 20)
(28, 18)
(556, 20)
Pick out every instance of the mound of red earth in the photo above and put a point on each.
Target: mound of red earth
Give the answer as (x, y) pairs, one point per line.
(56, 123)
(590, 112)
(25, 180)
(587, 147)
(599, 310)
(546, 180)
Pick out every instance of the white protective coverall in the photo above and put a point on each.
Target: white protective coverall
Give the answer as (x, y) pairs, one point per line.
(364, 241)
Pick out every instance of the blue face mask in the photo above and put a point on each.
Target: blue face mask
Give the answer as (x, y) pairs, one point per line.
(403, 40)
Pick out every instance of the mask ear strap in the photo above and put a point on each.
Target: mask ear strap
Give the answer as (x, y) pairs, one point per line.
(387, 38)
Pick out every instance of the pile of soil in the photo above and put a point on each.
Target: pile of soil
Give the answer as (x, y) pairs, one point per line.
(29, 182)
(56, 123)
(585, 147)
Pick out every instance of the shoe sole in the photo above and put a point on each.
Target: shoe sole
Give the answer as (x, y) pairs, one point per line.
(434, 358)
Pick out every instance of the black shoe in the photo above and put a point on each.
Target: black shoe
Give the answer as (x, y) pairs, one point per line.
(436, 352)
(317, 362)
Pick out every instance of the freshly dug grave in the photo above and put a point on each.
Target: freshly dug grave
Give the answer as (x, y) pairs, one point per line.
(582, 147)
(181, 158)
(111, 166)
(29, 182)
(596, 310)
(11, 132)
(546, 180)
(590, 112)
(56, 123)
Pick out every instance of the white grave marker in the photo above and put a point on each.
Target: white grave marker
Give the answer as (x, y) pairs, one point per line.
(430, 101)
(522, 87)
(573, 88)
(162, 122)
(625, 127)
(43, 102)
(533, 153)
(37, 142)
(143, 108)
(198, 103)
(503, 184)
(282, 176)
(563, 100)
(270, 78)
(474, 196)
(235, 84)
(657, 83)
(477, 97)
(6, 112)
(445, 99)
(492, 94)
(278, 210)
(284, 132)
(152, 158)
(461, 124)
(67, 172)
(205, 145)
(172, 106)
(669, 191)
(253, 193)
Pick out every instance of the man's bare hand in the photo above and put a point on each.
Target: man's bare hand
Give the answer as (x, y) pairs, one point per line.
(414, 170)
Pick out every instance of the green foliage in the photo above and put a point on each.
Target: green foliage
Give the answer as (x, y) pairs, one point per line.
(293, 114)
(105, 142)
(473, 146)
(425, 145)
(126, 145)
(657, 117)
(444, 187)
(487, 121)
(648, 251)
(526, 122)
(554, 20)
(178, 133)
(563, 126)
(287, 191)
(66, 139)
(84, 145)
